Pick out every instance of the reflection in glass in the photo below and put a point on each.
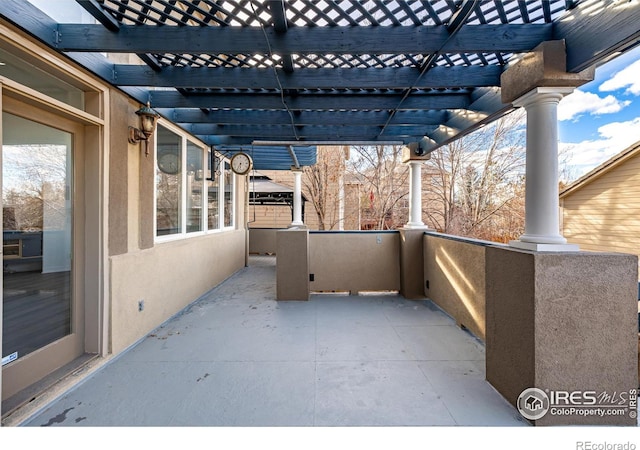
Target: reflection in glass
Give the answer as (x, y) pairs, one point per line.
(168, 182)
(228, 196)
(213, 220)
(195, 180)
(29, 75)
(37, 229)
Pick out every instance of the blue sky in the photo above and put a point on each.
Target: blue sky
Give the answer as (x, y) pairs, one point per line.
(602, 118)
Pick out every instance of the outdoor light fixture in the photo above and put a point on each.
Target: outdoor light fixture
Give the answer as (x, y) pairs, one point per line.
(147, 124)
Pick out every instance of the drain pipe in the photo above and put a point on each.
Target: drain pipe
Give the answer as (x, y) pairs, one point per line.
(294, 157)
(246, 221)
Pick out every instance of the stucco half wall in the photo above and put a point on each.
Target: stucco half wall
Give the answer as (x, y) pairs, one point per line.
(562, 322)
(559, 322)
(354, 261)
(454, 273)
(262, 240)
(167, 278)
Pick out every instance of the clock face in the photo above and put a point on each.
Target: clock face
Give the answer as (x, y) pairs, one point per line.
(169, 163)
(241, 163)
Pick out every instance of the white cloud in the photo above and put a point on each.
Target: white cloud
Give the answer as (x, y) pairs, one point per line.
(614, 138)
(580, 102)
(626, 78)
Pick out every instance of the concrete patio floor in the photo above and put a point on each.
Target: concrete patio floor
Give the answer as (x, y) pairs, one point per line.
(236, 357)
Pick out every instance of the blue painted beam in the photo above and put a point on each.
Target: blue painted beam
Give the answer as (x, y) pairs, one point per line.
(231, 117)
(356, 140)
(596, 31)
(279, 15)
(32, 20)
(252, 101)
(489, 107)
(272, 157)
(387, 78)
(150, 61)
(39, 25)
(95, 9)
(308, 131)
(460, 16)
(303, 40)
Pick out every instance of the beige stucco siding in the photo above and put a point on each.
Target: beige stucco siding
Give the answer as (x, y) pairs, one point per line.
(354, 261)
(168, 277)
(604, 214)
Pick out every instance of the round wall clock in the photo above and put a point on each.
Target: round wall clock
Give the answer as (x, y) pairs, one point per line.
(241, 163)
(169, 162)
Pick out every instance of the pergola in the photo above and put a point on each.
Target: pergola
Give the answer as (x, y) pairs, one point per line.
(300, 72)
(282, 76)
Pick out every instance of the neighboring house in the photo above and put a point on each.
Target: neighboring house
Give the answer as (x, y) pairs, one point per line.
(271, 204)
(324, 184)
(601, 210)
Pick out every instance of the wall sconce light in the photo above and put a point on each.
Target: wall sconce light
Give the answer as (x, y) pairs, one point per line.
(147, 124)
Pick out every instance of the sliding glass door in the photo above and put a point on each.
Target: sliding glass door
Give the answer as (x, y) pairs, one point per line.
(42, 308)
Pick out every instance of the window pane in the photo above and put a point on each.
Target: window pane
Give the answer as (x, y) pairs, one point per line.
(37, 229)
(195, 177)
(213, 188)
(31, 76)
(228, 196)
(169, 183)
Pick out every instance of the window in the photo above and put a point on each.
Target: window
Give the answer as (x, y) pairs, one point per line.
(195, 182)
(194, 193)
(37, 222)
(17, 69)
(213, 214)
(229, 188)
(168, 183)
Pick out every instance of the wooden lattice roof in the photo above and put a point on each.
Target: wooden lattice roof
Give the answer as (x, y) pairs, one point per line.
(246, 72)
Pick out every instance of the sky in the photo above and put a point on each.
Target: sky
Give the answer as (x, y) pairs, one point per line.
(602, 118)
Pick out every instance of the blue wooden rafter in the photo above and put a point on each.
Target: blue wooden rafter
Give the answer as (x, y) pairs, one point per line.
(236, 72)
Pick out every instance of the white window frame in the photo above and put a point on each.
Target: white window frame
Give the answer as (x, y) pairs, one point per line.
(204, 204)
(224, 163)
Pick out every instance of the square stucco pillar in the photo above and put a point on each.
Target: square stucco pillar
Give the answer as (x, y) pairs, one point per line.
(411, 264)
(292, 264)
(563, 323)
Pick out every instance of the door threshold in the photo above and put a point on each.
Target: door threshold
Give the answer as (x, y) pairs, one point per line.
(34, 392)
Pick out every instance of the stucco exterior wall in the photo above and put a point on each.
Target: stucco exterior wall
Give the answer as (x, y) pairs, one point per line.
(412, 284)
(167, 278)
(454, 271)
(553, 321)
(292, 268)
(355, 261)
(262, 241)
(562, 322)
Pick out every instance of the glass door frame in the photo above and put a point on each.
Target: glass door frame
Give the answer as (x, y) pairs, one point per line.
(91, 174)
(34, 366)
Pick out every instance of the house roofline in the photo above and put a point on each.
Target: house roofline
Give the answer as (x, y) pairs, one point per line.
(602, 169)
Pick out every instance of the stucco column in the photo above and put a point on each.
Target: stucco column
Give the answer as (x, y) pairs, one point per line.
(415, 196)
(297, 198)
(542, 222)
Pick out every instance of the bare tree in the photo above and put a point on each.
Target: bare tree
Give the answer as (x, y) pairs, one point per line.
(480, 183)
(384, 183)
(447, 164)
(35, 180)
(322, 183)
